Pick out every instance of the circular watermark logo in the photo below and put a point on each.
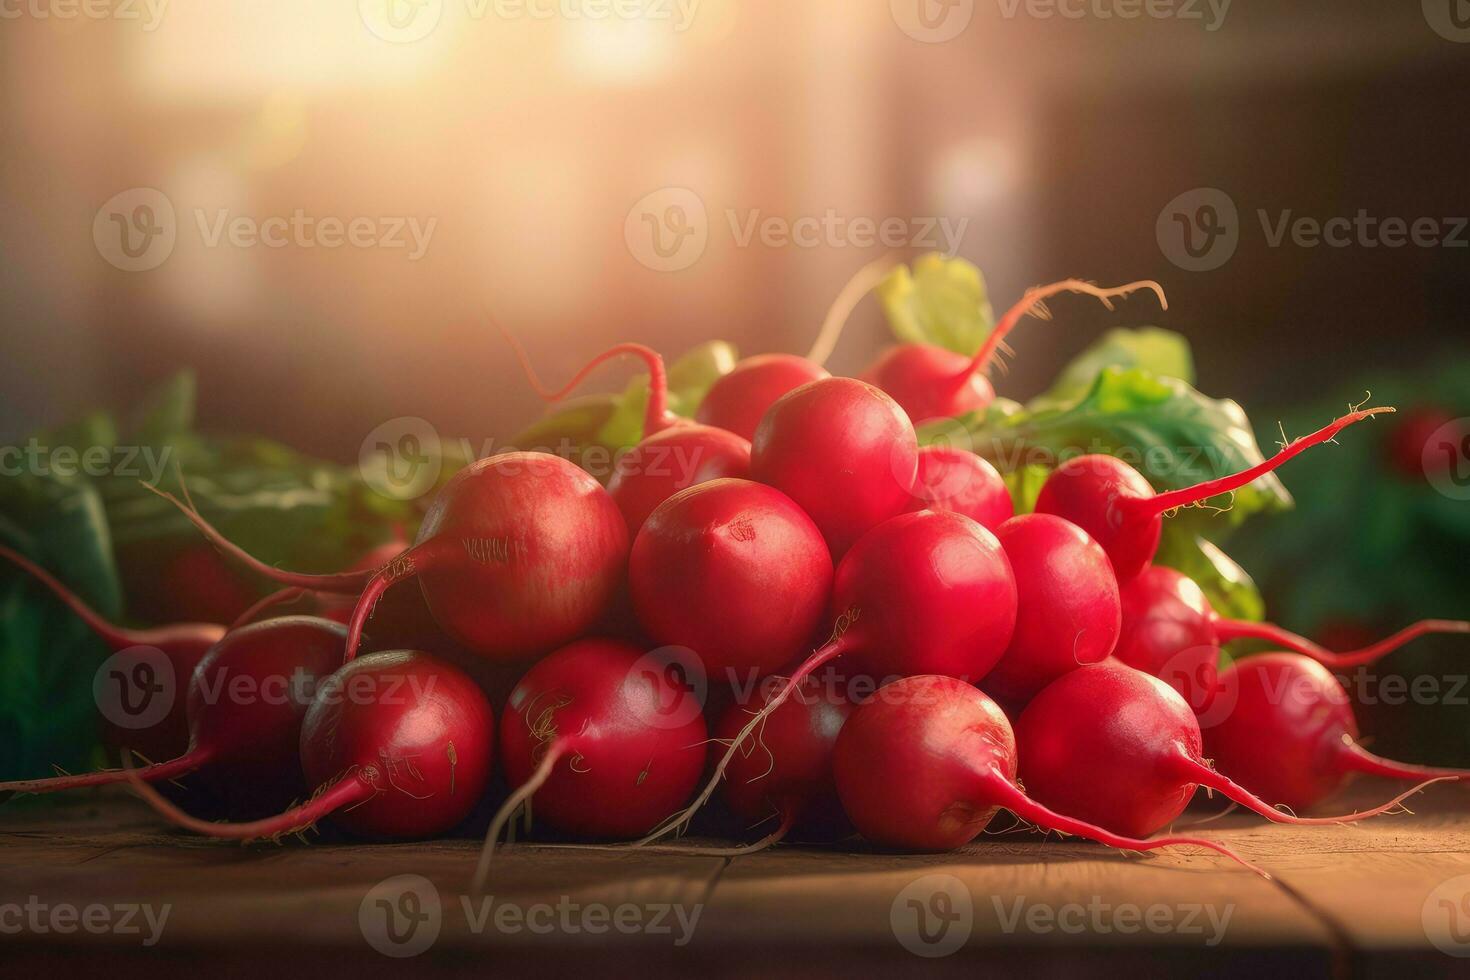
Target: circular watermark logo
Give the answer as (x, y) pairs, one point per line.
(668, 229)
(671, 685)
(1199, 230)
(401, 459)
(1446, 916)
(136, 229)
(933, 915)
(401, 916)
(135, 688)
(1195, 673)
(401, 21)
(1446, 459)
(1450, 19)
(932, 21)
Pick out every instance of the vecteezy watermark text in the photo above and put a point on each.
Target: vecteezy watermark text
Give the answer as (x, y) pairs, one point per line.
(38, 459)
(41, 918)
(1200, 230)
(669, 229)
(149, 12)
(402, 917)
(137, 229)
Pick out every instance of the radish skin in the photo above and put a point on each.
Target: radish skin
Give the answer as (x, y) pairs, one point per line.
(1290, 735)
(1111, 500)
(928, 761)
(399, 745)
(1139, 743)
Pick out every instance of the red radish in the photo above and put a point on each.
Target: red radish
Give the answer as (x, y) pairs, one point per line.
(1289, 734)
(1171, 631)
(1121, 749)
(518, 553)
(933, 382)
(1068, 609)
(1409, 448)
(957, 480)
(733, 570)
(604, 737)
(398, 745)
(1111, 501)
(844, 451)
(922, 593)
(183, 645)
(245, 703)
(785, 770)
(739, 399)
(674, 454)
(927, 762)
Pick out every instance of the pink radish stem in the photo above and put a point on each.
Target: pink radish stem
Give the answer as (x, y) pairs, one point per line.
(1008, 795)
(281, 597)
(342, 583)
(1354, 758)
(554, 751)
(1030, 302)
(347, 791)
(657, 417)
(1235, 629)
(116, 637)
(862, 282)
(1137, 507)
(1211, 779)
(788, 819)
(834, 648)
(411, 563)
(170, 769)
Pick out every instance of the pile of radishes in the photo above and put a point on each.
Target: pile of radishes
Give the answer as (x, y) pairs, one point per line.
(784, 606)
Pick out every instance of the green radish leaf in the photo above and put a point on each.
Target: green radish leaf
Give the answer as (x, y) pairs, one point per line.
(47, 656)
(1231, 590)
(690, 379)
(942, 301)
(1154, 349)
(1169, 431)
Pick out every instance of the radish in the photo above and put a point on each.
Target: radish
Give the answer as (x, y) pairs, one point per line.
(844, 451)
(1068, 608)
(932, 382)
(674, 454)
(398, 745)
(957, 480)
(183, 645)
(518, 553)
(1289, 734)
(1121, 749)
(927, 762)
(733, 570)
(606, 739)
(1111, 501)
(785, 770)
(738, 400)
(245, 703)
(1171, 631)
(922, 593)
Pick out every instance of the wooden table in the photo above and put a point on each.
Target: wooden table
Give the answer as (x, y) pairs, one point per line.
(1369, 900)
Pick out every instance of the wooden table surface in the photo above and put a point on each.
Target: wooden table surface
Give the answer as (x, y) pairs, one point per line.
(1390, 897)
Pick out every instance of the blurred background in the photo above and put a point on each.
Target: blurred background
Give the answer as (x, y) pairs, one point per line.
(522, 134)
(323, 208)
